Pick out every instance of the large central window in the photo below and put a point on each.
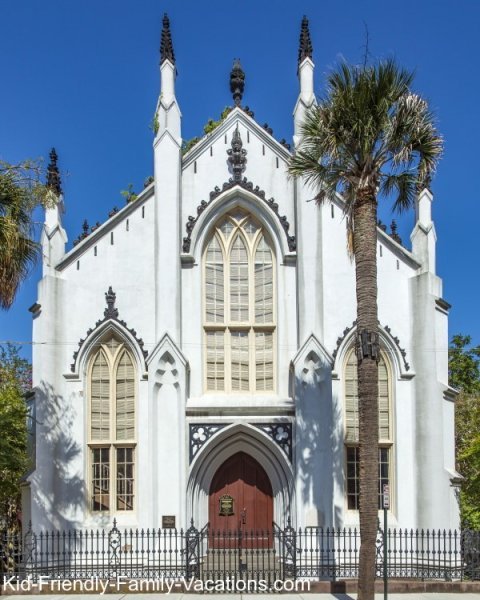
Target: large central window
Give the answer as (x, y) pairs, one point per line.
(239, 307)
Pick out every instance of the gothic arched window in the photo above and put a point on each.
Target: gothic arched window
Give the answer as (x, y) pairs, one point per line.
(111, 436)
(385, 433)
(239, 307)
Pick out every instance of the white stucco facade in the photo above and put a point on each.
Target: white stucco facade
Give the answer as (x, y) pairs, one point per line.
(183, 433)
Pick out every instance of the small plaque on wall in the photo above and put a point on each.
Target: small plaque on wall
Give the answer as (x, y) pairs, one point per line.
(168, 522)
(226, 506)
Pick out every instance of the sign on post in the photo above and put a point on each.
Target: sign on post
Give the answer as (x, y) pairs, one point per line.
(386, 495)
(386, 506)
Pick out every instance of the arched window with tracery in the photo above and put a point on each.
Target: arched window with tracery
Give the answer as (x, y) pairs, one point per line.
(385, 429)
(111, 431)
(239, 307)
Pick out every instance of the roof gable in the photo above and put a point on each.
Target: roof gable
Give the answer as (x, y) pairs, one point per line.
(236, 116)
(105, 228)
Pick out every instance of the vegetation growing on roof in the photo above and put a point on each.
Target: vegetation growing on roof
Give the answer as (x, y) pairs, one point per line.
(129, 194)
(154, 125)
(209, 126)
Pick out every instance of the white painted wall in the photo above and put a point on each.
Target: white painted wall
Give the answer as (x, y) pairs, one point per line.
(158, 290)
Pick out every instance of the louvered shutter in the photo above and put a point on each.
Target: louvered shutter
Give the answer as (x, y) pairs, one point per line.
(239, 281)
(100, 398)
(383, 402)
(240, 361)
(263, 283)
(351, 399)
(264, 361)
(125, 398)
(214, 283)
(215, 360)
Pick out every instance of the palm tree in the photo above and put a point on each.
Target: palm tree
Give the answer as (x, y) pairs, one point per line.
(20, 192)
(369, 138)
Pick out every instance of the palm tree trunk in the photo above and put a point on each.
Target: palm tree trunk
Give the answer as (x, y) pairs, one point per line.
(365, 252)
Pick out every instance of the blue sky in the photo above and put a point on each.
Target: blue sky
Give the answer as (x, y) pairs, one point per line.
(83, 76)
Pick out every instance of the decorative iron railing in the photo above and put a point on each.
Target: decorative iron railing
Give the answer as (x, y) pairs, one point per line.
(278, 554)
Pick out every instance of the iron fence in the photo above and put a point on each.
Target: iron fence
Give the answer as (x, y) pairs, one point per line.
(278, 554)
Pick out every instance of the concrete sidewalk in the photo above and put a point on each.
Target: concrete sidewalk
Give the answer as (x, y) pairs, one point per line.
(280, 596)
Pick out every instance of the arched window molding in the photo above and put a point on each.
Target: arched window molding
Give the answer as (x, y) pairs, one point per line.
(228, 201)
(351, 431)
(239, 317)
(112, 393)
(397, 356)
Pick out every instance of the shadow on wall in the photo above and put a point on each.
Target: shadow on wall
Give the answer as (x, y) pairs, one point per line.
(319, 442)
(58, 489)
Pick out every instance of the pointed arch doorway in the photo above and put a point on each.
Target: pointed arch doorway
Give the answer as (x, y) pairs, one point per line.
(241, 499)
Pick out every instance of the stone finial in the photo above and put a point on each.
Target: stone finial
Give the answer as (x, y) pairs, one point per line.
(305, 49)
(53, 175)
(166, 46)
(394, 235)
(237, 81)
(110, 312)
(237, 157)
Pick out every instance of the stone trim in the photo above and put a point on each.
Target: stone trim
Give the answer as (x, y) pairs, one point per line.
(280, 433)
(199, 434)
(394, 338)
(248, 186)
(109, 314)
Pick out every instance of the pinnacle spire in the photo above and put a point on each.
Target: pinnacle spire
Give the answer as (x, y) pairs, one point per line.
(237, 81)
(53, 175)
(305, 49)
(166, 46)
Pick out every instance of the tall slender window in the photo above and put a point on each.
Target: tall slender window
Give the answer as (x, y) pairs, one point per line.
(112, 428)
(239, 307)
(385, 434)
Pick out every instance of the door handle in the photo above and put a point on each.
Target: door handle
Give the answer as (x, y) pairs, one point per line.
(243, 515)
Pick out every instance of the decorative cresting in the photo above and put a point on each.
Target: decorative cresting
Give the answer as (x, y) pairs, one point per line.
(395, 339)
(200, 433)
(166, 46)
(340, 339)
(305, 49)
(109, 314)
(280, 433)
(237, 81)
(402, 351)
(246, 185)
(237, 156)
(54, 182)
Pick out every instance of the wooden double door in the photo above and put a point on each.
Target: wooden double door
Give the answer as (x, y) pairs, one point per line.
(241, 500)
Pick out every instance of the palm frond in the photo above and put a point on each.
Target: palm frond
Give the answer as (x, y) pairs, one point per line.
(18, 250)
(370, 131)
(404, 185)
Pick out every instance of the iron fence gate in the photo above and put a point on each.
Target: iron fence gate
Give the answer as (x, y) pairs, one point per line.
(278, 554)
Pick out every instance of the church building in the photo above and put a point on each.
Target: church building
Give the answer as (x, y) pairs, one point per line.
(193, 356)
